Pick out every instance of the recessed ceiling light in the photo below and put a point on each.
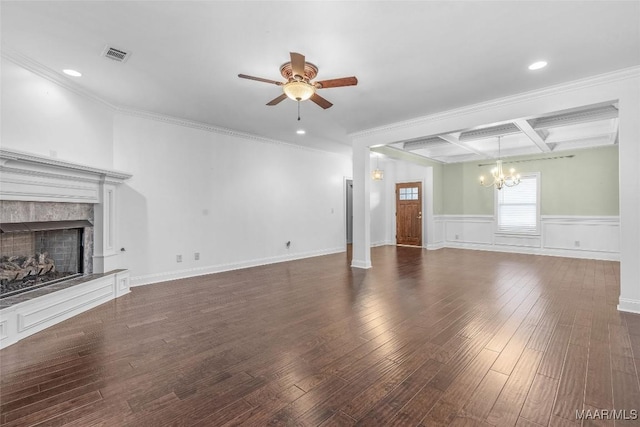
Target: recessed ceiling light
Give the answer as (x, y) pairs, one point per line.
(300, 132)
(538, 65)
(72, 73)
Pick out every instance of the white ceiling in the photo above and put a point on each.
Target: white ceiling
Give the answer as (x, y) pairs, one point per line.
(411, 59)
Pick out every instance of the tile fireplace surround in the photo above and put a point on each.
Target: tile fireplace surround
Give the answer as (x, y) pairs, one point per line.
(34, 189)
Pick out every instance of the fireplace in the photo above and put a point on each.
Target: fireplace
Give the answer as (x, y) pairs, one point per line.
(58, 241)
(35, 254)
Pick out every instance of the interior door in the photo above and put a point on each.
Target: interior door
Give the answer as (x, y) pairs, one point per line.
(409, 213)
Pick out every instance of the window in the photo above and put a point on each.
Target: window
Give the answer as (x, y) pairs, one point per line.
(409, 193)
(518, 207)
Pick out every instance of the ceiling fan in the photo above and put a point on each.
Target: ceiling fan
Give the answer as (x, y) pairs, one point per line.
(299, 85)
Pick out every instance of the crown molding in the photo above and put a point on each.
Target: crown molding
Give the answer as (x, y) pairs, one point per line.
(611, 77)
(213, 129)
(56, 78)
(51, 75)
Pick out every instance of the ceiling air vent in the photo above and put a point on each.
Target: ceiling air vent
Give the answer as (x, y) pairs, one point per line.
(116, 54)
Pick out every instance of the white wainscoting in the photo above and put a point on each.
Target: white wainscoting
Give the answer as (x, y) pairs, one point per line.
(592, 237)
(20, 320)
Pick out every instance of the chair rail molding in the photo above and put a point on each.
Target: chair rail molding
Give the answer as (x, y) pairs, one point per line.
(590, 237)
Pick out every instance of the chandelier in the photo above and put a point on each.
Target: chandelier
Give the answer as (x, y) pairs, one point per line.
(499, 178)
(377, 174)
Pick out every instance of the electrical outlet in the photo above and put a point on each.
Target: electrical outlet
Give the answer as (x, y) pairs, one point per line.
(178, 258)
(457, 237)
(576, 243)
(196, 256)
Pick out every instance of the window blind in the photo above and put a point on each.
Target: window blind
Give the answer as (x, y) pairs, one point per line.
(518, 207)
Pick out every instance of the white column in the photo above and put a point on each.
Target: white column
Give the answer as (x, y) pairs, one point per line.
(361, 207)
(104, 246)
(629, 163)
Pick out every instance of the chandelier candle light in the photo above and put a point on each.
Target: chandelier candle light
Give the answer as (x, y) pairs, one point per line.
(499, 178)
(377, 174)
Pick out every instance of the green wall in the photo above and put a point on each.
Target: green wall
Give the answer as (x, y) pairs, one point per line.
(585, 184)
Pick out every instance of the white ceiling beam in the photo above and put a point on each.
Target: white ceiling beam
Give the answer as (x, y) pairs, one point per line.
(452, 139)
(616, 131)
(526, 128)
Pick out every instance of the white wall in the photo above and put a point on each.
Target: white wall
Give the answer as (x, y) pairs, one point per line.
(397, 171)
(41, 117)
(379, 201)
(235, 201)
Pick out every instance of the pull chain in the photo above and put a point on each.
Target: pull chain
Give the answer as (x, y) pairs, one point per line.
(298, 109)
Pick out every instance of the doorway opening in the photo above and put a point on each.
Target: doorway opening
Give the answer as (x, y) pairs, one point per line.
(349, 210)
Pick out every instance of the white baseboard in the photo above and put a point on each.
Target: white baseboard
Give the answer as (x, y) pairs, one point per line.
(435, 246)
(150, 279)
(604, 256)
(629, 305)
(360, 264)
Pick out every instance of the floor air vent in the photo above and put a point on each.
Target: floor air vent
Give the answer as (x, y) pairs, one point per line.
(116, 54)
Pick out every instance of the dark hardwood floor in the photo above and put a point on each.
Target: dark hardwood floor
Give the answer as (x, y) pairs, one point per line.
(447, 337)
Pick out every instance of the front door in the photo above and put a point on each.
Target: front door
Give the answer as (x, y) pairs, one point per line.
(409, 213)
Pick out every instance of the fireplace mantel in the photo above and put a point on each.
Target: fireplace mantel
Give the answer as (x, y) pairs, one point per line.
(31, 178)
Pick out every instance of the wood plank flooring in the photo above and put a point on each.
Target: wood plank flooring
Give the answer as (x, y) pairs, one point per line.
(424, 338)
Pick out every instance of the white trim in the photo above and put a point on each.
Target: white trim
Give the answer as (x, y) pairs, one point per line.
(59, 79)
(435, 246)
(215, 129)
(629, 305)
(54, 166)
(219, 268)
(614, 76)
(597, 255)
(25, 318)
(51, 75)
(479, 218)
(361, 264)
(473, 233)
(570, 219)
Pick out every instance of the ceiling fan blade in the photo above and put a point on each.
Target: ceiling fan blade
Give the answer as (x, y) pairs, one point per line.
(344, 81)
(277, 100)
(297, 64)
(320, 101)
(259, 79)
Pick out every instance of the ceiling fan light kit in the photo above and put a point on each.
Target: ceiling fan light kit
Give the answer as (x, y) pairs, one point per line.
(299, 90)
(299, 84)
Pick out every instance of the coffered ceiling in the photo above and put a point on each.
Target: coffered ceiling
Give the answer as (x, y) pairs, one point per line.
(590, 126)
(411, 59)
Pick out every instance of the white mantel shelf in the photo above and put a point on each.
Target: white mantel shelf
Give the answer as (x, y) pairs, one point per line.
(27, 177)
(30, 177)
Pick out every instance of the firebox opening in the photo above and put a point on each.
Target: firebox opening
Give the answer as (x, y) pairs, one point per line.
(40, 254)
